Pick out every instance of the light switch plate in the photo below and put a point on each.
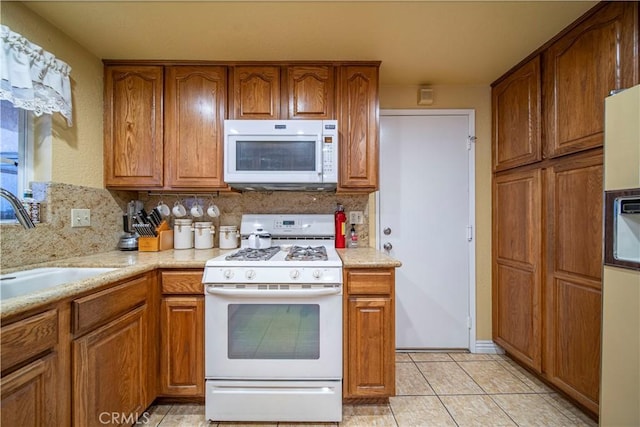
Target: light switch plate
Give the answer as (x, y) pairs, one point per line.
(80, 217)
(356, 217)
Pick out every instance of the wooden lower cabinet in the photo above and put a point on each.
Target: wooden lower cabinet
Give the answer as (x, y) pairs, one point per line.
(30, 391)
(110, 372)
(29, 394)
(369, 333)
(547, 263)
(113, 353)
(182, 335)
(573, 289)
(517, 265)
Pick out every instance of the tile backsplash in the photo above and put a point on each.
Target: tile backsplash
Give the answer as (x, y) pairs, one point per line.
(54, 238)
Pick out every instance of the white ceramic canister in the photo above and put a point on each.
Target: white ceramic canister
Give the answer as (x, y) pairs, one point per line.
(203, 235)
(229, 237)
(182, 234)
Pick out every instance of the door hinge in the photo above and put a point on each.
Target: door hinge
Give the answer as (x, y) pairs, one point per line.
(468, 322)
(471, 140)
(469, 232)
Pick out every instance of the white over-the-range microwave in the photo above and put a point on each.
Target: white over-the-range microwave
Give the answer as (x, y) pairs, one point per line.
(281, 154)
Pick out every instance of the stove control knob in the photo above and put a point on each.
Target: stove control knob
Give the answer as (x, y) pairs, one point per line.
(317, 274)
(294, 274)
(228, 274)
(251, 274)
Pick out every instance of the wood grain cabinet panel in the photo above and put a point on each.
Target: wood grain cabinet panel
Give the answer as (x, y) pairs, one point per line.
(359, 128)
(195, 103)
(580, 69)
(28, 338)
(182, 346)
(110, 371)
(369, 334)
(29, 394)
(256, 92)
(311, 92)
(517, 263)
(133, 126)
(574, 278)
(516, 117)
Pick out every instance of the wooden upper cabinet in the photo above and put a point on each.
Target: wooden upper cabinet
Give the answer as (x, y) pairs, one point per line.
(195, 100)
(359, 124)
(516, 118)
(256, 92)
(311, 92)
(580, 69)
(133, 126)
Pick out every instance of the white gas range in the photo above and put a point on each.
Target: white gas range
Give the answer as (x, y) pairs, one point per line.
(273, 324)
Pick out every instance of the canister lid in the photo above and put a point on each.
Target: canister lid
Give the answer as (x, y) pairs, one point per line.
(182, 221)
(203, 224)
(228, 228)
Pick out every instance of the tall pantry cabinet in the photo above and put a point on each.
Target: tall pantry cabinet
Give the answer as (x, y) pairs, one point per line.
(548, 132)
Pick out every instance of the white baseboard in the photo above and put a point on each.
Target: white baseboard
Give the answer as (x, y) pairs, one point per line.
(488, 347)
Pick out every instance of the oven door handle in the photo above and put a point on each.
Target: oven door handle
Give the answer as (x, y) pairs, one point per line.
(270, 293)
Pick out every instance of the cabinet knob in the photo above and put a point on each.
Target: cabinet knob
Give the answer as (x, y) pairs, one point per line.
(386, 231)
(387, 246)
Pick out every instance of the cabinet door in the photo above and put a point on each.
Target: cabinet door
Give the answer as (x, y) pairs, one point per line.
(581, 68)
(370, 355)
(574, 282)
(359, 124)
(310, 92)
(110, 371)
(29, 395)
(133, 126)
(517, 261)
(516, 118)
(195, 100)
(182, 346)
(256, 92)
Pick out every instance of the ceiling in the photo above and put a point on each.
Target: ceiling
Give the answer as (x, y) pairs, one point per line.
(418, 42)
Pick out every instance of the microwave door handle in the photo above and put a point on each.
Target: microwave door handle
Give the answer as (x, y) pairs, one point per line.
(269, 293)
(320, 158)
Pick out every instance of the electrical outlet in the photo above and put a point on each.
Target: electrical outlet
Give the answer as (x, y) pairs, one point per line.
(80, 217)
(355, 217)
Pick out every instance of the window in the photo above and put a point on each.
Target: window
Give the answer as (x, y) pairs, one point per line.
(16, 153)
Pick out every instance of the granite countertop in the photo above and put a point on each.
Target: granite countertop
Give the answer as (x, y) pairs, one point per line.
(133, 263)
(366, 258)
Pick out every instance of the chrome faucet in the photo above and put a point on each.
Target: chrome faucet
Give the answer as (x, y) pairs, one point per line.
(21, 213)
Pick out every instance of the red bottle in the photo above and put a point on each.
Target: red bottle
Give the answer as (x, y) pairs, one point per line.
(340, 222)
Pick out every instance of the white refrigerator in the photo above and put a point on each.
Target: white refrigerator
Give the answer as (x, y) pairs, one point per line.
(620, 371)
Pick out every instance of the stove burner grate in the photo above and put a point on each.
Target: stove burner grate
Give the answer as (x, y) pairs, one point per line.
(249, 254)
(308, 253)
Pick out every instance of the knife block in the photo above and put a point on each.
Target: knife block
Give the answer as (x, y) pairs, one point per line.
(163, 241)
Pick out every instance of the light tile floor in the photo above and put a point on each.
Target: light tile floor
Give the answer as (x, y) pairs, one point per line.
(434, 389)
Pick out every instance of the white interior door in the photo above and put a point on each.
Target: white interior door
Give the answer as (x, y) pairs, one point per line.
(425, 206)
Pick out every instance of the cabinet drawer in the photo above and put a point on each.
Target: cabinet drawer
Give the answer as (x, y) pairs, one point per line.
(182, 282)
(370, 281)
(98, 308)
(29, 337)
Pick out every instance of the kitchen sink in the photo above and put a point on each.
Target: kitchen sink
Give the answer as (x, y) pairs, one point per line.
(29, 281)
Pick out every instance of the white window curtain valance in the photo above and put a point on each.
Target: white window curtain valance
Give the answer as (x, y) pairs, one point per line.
(32, 78)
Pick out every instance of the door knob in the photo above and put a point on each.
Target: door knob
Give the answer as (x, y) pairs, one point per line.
(386, 231)
(387, 246)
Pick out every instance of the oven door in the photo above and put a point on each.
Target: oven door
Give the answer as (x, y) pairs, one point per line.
(258, 332)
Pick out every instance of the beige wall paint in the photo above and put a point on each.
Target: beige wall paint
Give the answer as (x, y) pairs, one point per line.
(76, 152)
(477, 98)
